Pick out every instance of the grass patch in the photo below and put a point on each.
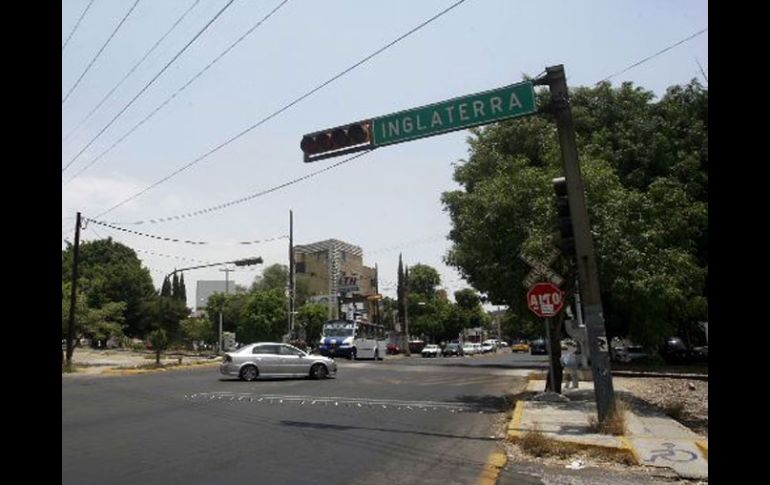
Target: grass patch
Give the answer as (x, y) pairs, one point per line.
(536, 444)
(615, 424)
(68, 368)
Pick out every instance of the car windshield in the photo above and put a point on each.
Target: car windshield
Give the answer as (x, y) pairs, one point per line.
(338, 332)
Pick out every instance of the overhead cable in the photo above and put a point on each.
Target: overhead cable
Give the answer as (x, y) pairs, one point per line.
(149, 83)
(281, 110)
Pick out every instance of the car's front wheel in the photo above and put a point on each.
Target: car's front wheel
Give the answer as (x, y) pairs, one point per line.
(319, 371)
(249, 373)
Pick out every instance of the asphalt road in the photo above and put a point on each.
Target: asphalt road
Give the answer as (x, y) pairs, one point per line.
(405, 420)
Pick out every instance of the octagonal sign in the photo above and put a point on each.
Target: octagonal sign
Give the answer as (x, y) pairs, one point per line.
(545, 299)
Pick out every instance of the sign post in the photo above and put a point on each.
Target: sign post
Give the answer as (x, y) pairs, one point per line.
(546, 300)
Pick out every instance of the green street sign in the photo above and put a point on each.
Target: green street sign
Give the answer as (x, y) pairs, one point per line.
(455, 114)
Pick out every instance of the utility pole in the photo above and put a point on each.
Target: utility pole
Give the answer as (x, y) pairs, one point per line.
(73, 295)
(292, 282)
(588, 274)
(407, 351)
(227, 288)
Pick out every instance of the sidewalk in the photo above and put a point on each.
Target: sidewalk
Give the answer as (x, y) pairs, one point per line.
(652, 439)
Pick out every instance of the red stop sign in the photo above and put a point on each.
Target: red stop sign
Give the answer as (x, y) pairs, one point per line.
(545, 299)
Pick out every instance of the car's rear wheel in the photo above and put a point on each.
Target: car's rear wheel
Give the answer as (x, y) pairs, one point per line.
(319, 371)
(249, 373)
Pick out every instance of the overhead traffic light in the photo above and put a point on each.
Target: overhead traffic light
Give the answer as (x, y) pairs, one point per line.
(248, 262)
(565, 219)
(337, 141)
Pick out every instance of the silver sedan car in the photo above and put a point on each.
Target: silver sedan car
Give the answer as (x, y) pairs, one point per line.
(274, 359)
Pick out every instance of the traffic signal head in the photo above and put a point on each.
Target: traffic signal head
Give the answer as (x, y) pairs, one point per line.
(564, 217)
(337, 141)
(248, 262)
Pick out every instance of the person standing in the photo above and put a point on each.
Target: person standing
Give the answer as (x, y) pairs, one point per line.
(570, 363)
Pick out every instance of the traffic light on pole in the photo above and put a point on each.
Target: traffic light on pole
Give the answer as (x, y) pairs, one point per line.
(337, 141)
(564, 217)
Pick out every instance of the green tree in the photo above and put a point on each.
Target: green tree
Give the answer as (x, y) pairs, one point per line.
(311, 318)
(468, 299)
(110, 272)
(175, 287)
(165, 289)
(182, 289)
(165, 313)
(231, 305)
(274, 277)
(264, 316)
(198, 329)
(423, 280)
(645, 170)
(159, 341)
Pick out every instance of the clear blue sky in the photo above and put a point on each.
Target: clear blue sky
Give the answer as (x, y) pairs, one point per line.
(387, 201)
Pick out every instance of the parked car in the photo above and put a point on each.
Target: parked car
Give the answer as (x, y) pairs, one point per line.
(675, 351)
(431, 350)
(453, 348)
(538, 347)
(392, 349)
(469, 349)
(520, 346)
(275, 359)
(415, 346)
(623, 350)
(488, 346)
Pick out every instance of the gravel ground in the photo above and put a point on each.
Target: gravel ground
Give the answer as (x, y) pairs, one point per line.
(686, 400)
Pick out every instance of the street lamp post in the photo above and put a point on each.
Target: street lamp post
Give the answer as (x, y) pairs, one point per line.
(239, 262)
(221, 308)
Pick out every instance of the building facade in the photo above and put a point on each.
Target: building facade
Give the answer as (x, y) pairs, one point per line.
(335, 275)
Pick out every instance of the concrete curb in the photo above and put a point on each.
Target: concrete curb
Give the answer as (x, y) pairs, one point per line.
(495, 462)
(625, 450)
(131, 371)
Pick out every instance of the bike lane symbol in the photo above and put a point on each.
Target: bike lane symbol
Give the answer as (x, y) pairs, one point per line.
(671, 453)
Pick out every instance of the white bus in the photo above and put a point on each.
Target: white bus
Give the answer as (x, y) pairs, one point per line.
(354, 340)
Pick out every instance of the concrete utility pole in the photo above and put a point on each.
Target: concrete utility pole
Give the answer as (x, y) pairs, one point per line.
(407, 351)
(292, 282)
(73, 294)
(227, 290)
(588, 274)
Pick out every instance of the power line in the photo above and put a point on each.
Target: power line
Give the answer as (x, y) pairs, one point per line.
(168, 100)
(276, 113)
(242, 199)
(131, 71)
(88, 67)
(149, 83)
(172, 239)
(653, 55)
(77, 24)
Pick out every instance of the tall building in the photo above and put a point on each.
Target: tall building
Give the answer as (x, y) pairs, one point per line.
(204, 290)
(336, 276)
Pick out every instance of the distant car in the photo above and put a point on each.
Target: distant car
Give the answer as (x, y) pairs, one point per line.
(520, 346)
(431, 350)
(275, 359)
(453, 348)
(538, 347)
(675, 351)
(393, 349)
(469, 349)
(488, 347)
(623, 350)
